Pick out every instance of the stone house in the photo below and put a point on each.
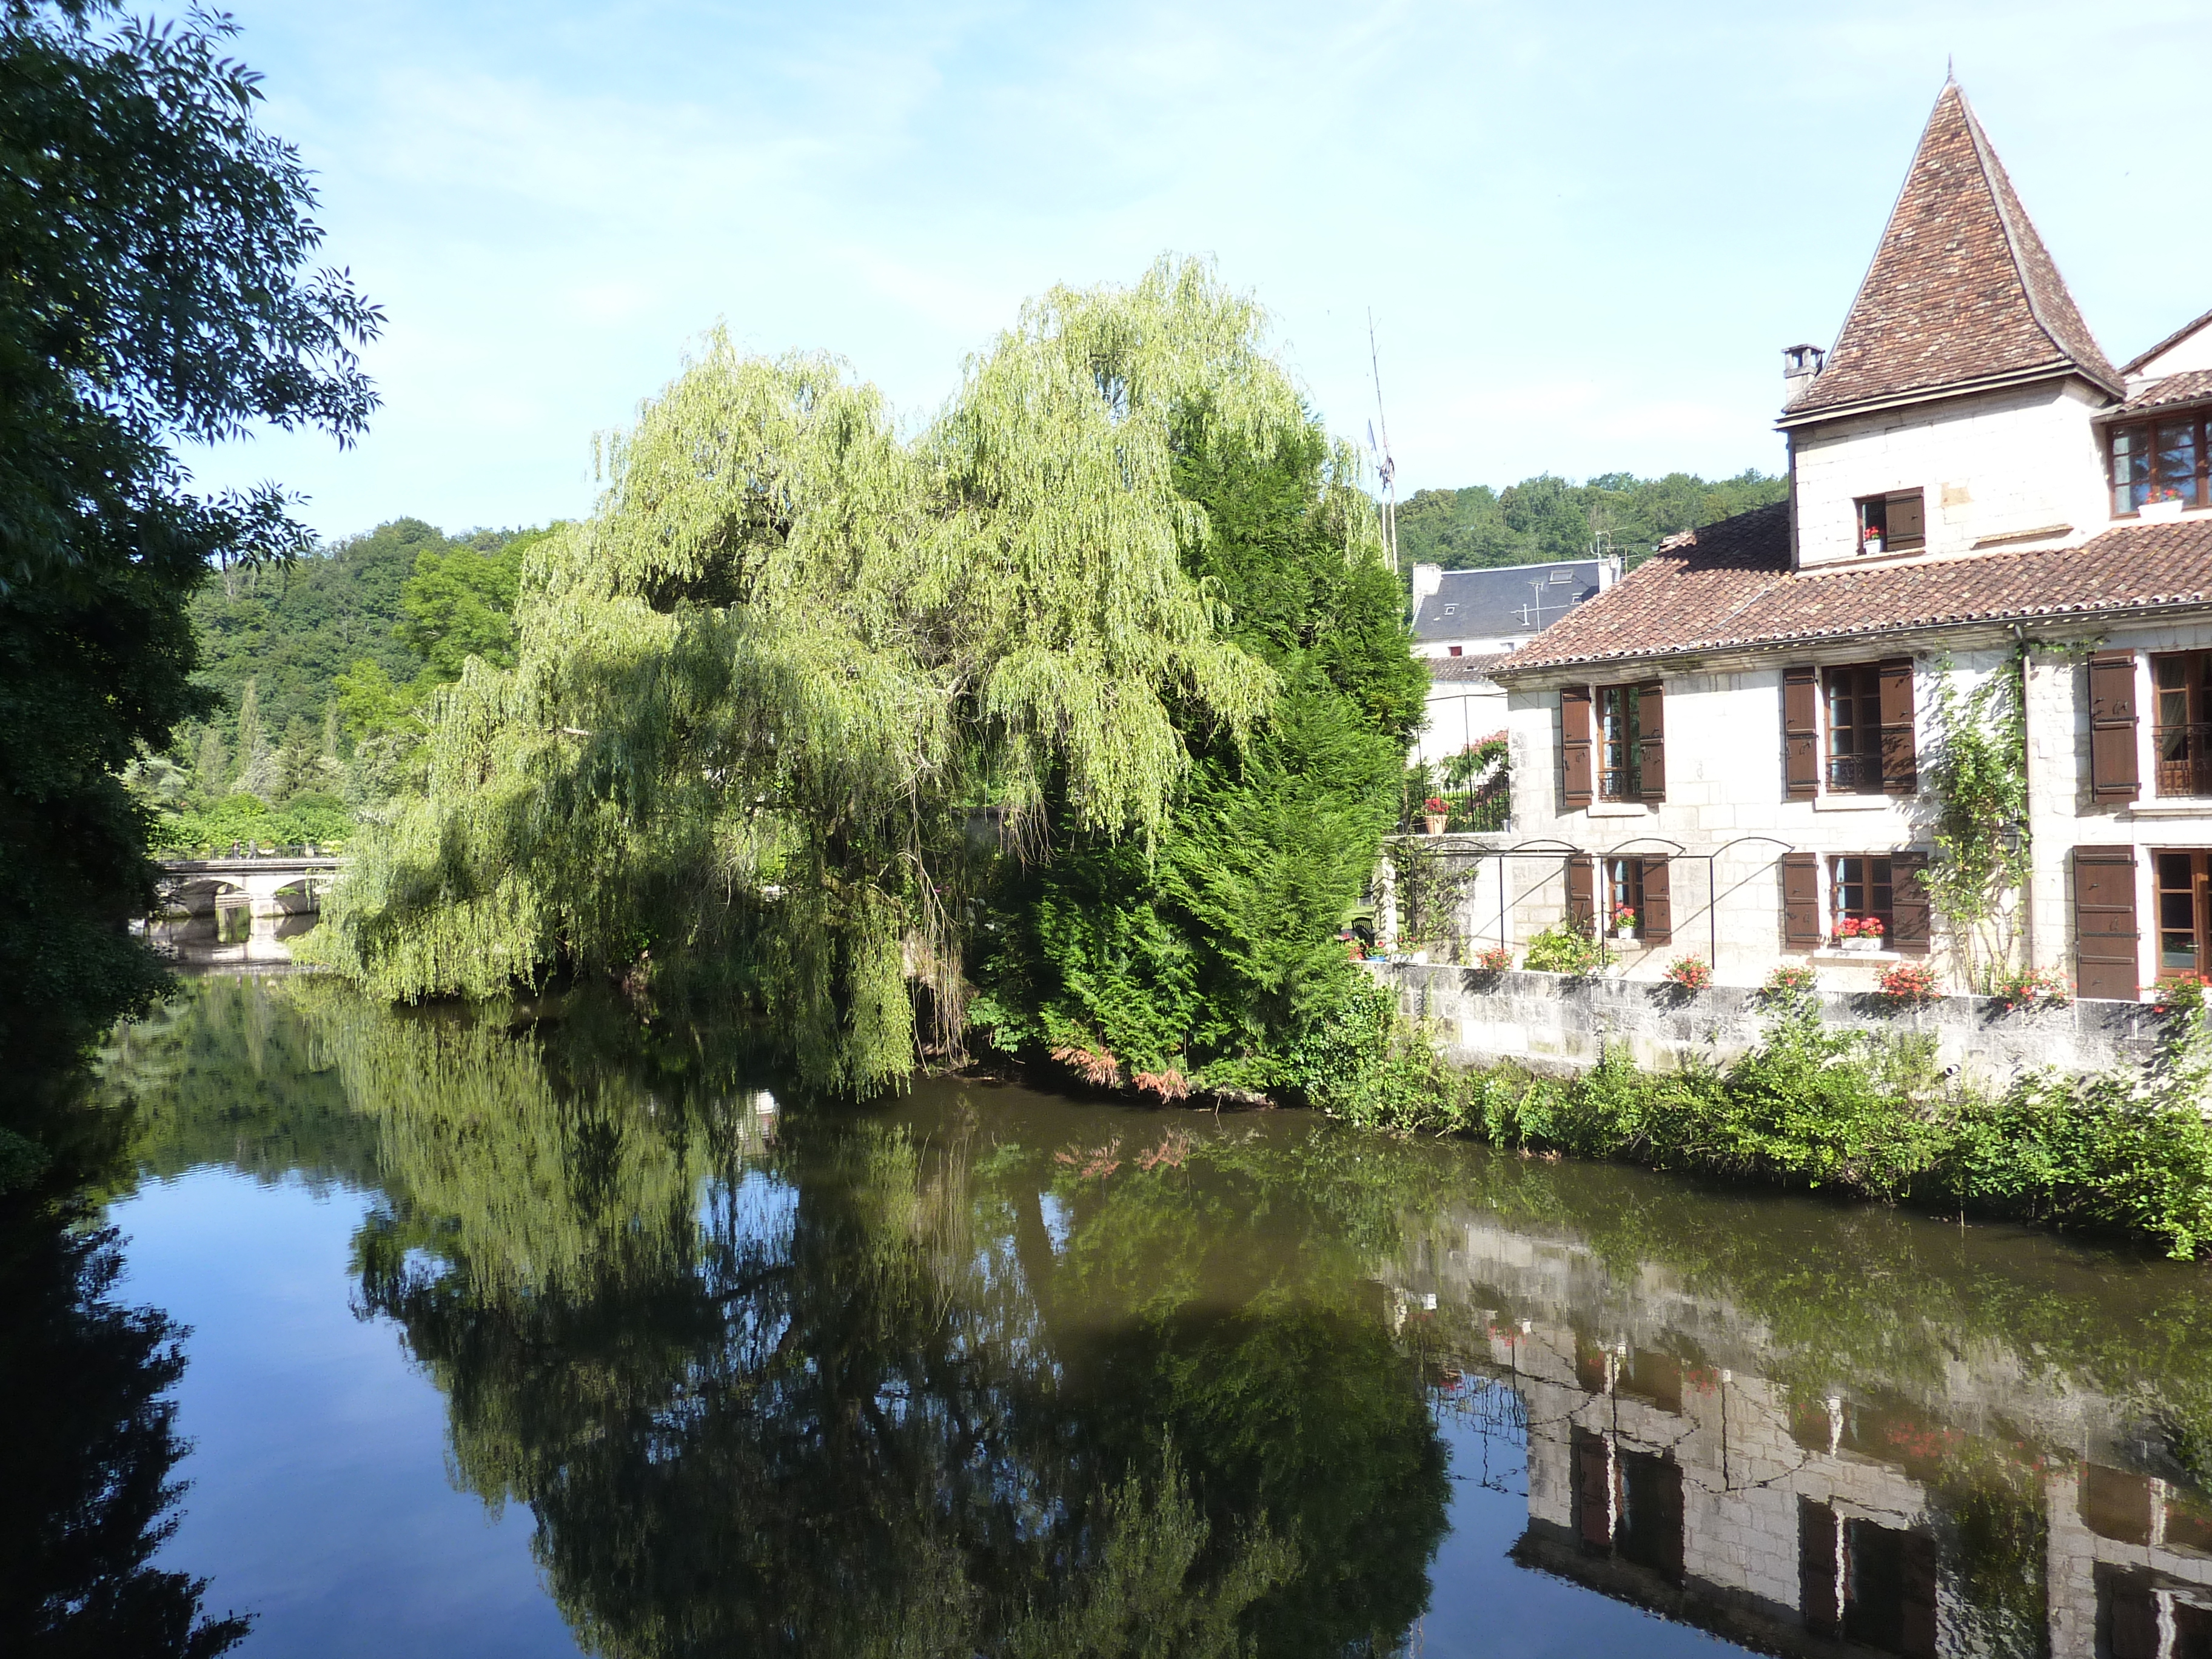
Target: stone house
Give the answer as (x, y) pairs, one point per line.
(1733, 742)
(1465, 620)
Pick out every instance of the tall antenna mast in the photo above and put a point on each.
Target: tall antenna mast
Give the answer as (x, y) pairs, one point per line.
(1386, 468)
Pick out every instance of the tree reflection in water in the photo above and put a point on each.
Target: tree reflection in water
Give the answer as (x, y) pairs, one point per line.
(86, 1492)
(979, 1371)
(839, 1389)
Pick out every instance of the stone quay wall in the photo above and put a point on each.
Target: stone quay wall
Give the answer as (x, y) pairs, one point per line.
(1551, 1022)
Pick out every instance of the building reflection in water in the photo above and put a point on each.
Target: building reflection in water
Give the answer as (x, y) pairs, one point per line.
(1668, 1464)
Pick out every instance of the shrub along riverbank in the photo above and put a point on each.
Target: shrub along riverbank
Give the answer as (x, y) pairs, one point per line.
(2127, 1152)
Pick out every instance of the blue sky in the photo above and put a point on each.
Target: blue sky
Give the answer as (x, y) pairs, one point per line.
(1585, 233)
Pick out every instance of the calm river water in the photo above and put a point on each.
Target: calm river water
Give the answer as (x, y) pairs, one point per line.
(524, 1336)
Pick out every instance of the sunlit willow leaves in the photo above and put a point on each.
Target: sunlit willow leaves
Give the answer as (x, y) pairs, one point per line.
(769, 700)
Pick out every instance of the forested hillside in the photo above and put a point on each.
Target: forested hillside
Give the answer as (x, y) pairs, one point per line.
(1551, 518)
(323, 666)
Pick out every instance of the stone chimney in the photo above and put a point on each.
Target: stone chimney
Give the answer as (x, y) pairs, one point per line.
(1800, 363)
(1427, 579)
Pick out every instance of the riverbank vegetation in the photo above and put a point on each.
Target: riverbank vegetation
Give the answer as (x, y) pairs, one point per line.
(1817, 1108)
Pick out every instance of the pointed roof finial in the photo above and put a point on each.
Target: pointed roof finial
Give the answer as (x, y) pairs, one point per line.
(1961, 291)
(1950, 75)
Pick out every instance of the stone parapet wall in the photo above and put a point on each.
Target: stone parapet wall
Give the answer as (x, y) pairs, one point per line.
(1549, 1022)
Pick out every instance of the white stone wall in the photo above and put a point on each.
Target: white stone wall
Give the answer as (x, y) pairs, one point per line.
(2190, 353)
(1460, 713)
(1725, 788)
(1998, 465)
(2062, 813)
(1725, 782)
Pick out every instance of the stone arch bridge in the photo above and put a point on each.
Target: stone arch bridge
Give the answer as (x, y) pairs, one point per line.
(242, 909)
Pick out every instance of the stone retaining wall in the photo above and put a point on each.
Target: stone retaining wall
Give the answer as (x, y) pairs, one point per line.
(1549, 1022)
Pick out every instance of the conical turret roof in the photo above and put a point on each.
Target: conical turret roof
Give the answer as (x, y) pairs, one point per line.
(1961, 291)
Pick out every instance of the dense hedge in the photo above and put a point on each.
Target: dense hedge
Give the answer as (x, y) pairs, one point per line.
(1811, 1107)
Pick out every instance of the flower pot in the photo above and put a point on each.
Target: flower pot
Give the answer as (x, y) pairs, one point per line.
(2155, 511)
(1860, 943)
(1436, 821)
(1871, 545)
(1624, 935)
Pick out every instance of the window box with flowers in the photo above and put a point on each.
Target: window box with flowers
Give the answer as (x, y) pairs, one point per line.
(1624, 922)
(1861, 933)
(2161, 501)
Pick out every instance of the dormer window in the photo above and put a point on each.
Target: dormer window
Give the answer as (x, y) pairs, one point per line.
(2155, 462)
(1894, 523)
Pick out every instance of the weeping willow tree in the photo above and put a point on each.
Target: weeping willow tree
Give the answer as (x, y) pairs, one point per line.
(764, 697)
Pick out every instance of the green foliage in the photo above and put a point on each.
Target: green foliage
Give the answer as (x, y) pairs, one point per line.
(760, 699)
(366, 630)
(248, 821)
(156, 244)
(460, 603)
(1808, 1107)
(1547, 518)
(1979, 774)
(1564, 948)
(1216, 954)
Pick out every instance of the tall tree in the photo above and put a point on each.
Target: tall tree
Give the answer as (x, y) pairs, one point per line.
(761, 700)
(156, 243)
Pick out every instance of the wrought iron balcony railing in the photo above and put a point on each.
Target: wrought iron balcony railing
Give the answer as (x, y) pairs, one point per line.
(1855, 774)
(2185, 759)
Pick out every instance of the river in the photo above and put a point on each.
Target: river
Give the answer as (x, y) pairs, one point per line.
(540, 1332)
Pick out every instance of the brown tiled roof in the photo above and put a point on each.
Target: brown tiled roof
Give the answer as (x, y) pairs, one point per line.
(1961, 288)
(2192, 387)
(1456, 669)
(1730, 585)
(2169, 342)
(1465, 668)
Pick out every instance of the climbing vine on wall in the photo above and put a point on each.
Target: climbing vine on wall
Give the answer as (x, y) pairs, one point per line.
(1978, 777)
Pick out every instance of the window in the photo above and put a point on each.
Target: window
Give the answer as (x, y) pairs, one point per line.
(1457, 649)
(1561, 577)
(2185, 913)
(1620, 749)
(1859, 888)
(1624, 890)
(1894, 523)
(1855, 730)
(2182, 681)
(2157, 461)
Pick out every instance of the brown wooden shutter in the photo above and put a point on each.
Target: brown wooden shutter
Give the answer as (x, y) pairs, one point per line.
(2113, 726)
(1651, 730)
(1915, 1622)
(1575, 734)
(1800, 901)
(1658, 917)
(1593, 1490)
(1906, 520)
(1582, 909)
(1900, 773)
(2106, 961)
(1800, 732)
(1818, 1540)
(1908, 902)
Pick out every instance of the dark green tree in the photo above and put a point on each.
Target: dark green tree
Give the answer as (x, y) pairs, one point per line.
(1212, 950)
(156, 244)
